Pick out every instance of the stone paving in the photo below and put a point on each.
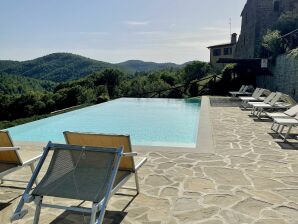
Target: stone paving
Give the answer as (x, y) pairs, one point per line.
(251, 178)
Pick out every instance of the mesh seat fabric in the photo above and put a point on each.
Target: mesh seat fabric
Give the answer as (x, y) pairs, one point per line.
(74, 174)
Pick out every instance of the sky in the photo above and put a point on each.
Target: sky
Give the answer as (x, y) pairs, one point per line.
(117, 30)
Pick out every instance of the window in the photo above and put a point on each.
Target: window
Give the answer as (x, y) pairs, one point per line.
(276, 6)
(217, 52)
(228, 51)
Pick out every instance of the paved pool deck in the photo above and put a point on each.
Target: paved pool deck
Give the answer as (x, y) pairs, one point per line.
(249, 176)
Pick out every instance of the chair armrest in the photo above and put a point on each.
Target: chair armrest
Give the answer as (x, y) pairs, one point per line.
(33, 160)
(126, 154)
(9, 148)
(140, 163)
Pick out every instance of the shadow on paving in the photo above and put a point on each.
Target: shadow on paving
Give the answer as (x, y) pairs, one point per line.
(277, 136)
(225, 102)
(4, 205)
(288, 145)
(71, 217)
(262, 120)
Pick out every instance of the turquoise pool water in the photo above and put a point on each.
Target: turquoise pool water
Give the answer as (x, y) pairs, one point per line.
(153, 122)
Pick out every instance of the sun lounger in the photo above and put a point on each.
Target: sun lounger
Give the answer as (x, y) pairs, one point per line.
(242, 91)
(10, 158)
(129, 164)
(75, 172)
(256, 97)
(260, 107)
(293, 111)
(281, 123)
(266, 101)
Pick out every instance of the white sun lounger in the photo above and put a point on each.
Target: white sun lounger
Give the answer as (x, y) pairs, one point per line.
(279, 125)
(242, 91)
(266, 101)
(259, 108)
(293, 111)
(256, 96)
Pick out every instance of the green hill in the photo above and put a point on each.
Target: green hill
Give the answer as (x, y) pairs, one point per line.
(13, 84)
(141, 66)
(60, 67)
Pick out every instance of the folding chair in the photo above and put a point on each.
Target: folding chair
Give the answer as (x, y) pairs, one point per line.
(10, 158)
(130, 165)
(75, 172)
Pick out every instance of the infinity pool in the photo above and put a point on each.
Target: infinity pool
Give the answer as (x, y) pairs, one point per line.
(149, 122)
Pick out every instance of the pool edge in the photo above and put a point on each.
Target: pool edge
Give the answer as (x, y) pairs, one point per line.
(205, 143)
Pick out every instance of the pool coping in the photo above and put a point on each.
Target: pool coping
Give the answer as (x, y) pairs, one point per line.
(204, 136)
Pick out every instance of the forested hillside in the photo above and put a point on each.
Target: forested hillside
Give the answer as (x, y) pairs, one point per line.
(13, 84)
(18, 101)
(61, 67)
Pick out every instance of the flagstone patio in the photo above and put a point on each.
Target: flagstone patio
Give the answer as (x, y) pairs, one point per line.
(251, 178)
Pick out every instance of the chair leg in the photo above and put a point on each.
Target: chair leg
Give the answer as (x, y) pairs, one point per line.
(272, 126)
(137, 182)
(38, 201)
(260, 113)
(288, 132)
(253, 110)
(93, 213)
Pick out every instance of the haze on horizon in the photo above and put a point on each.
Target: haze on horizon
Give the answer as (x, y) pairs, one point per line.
(114, 31)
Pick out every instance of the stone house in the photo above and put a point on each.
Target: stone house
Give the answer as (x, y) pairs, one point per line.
(226, 50)
(257, 17)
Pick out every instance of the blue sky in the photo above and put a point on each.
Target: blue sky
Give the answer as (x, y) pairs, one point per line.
(116, 30)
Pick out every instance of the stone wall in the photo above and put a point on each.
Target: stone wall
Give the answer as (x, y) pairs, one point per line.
(284, 76)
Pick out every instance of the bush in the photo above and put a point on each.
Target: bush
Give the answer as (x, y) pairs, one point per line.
(272, 43)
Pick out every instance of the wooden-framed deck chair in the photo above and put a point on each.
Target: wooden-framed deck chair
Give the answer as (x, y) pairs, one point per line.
(75, 172)
(129, 165)
(11, 159)
(279, 125)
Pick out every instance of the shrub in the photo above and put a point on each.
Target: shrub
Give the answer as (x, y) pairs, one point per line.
(272, 43)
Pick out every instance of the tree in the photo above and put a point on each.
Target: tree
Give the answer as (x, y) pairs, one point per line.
(195, 70)
(272, 43)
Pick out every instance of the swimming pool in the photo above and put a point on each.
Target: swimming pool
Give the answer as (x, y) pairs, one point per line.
(149, 122)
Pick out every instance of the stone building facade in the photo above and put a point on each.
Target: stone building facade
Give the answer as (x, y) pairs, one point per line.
(257, 17)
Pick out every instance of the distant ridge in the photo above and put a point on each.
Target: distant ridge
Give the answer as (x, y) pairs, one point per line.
(61, 67)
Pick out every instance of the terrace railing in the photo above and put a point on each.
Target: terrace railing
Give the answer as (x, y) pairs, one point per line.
(202, 85)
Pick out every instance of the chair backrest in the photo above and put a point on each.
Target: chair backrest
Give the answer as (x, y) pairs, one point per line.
(288, 99)
(292, 111)
(256, 92)
(269, 98)
(245, 89)
(275, 98)
(266, 92)
(104, 140)
(79, 172)
(12, 156)
(241, 88)
(260, 93)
